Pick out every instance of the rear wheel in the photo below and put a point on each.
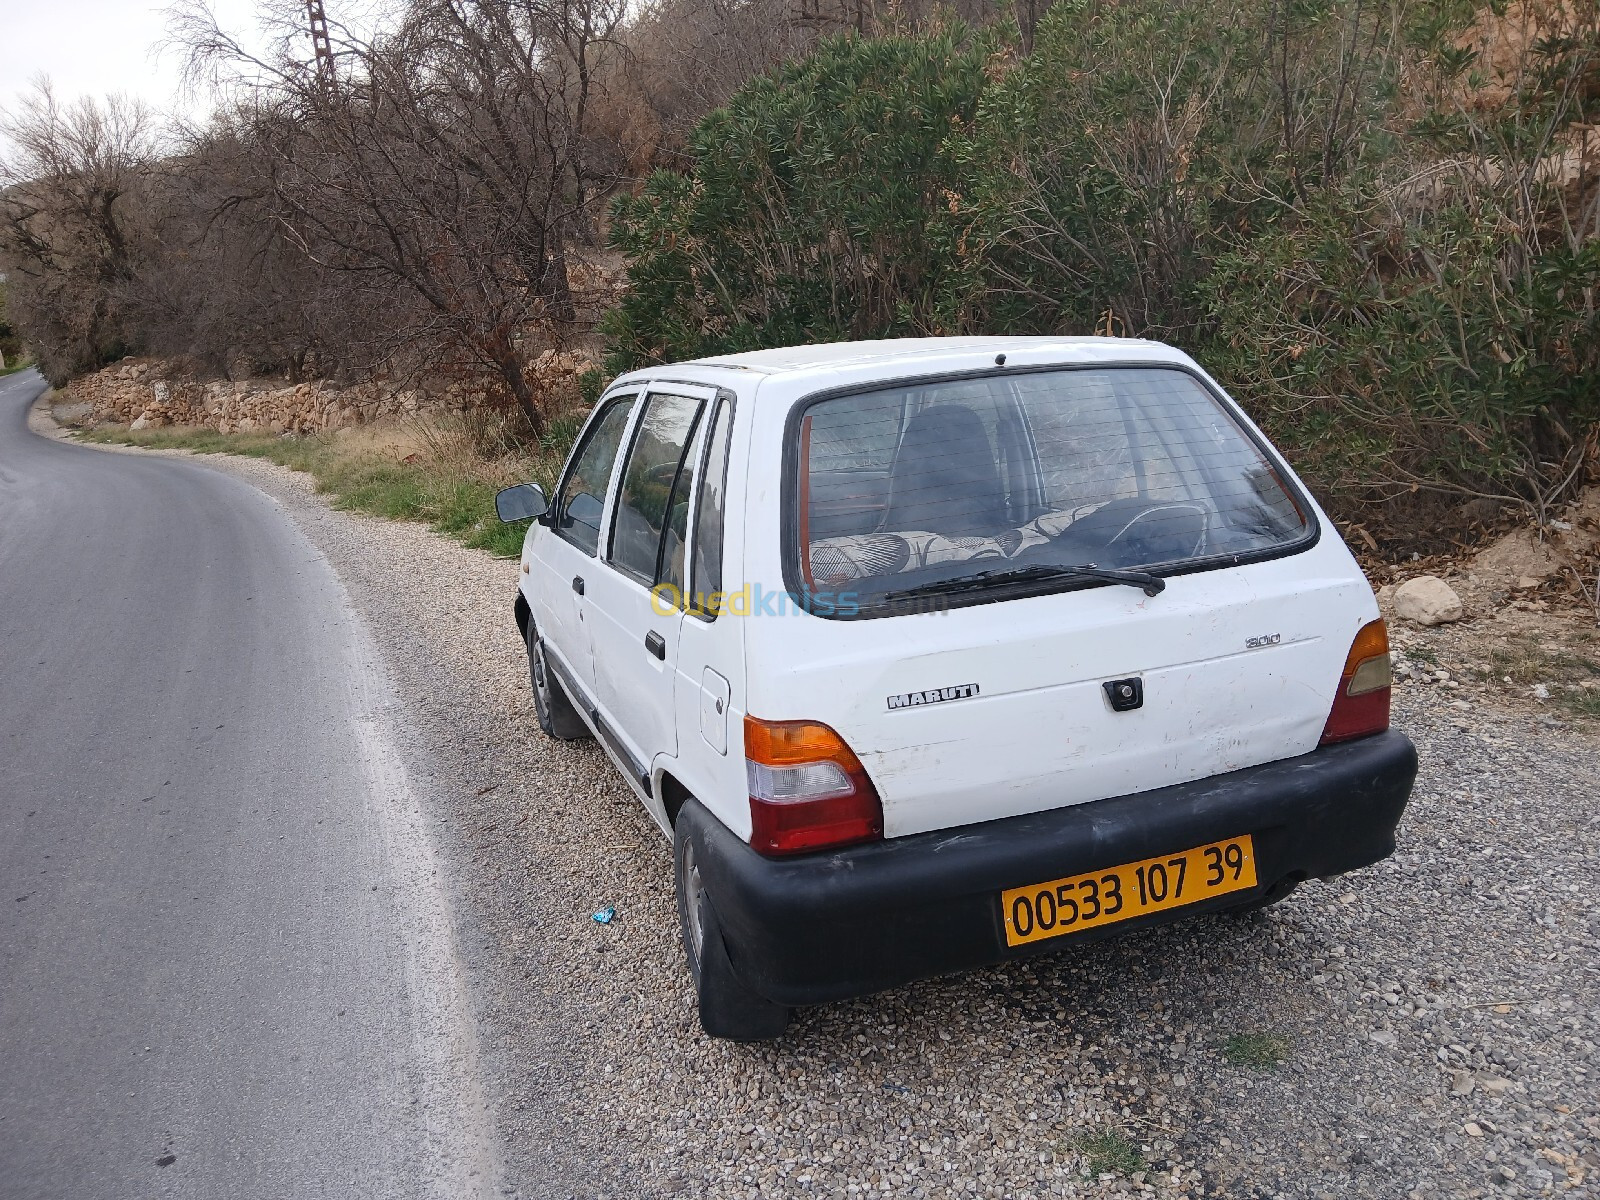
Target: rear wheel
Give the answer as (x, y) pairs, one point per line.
(728, 1009)
(557, 717)
(1281, 890)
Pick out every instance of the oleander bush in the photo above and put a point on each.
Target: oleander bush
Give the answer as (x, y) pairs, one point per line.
(1377, 224)
(819, 207)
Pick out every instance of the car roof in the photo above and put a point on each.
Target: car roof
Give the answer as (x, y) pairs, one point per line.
(956, 353)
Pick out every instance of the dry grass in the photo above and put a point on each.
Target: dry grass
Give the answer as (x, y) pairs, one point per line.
(1571, 677)
(444, 472)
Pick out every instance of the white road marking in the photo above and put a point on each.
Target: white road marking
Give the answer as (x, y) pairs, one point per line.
(462, 1148)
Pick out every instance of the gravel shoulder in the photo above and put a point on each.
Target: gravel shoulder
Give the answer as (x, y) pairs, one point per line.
(1427, 1027)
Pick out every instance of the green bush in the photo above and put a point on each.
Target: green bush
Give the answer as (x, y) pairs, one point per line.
(1396, 356)
(1368, 234)
(816, 209)
(1097, 167)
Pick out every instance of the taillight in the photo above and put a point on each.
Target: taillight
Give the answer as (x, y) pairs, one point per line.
(808, 790)
(1362, 704)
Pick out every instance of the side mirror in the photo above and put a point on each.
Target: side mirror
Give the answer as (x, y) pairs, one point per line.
(520, 502)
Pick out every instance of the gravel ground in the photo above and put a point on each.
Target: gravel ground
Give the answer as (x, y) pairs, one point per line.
(1425, 1028)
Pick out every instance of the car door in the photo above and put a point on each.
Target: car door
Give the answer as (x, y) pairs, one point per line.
(564, 561)
(635, 601)
(709, 689)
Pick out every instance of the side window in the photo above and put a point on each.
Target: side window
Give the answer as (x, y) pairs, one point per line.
(583, 495)
(708, 517)
(649, 482)
(674, 546)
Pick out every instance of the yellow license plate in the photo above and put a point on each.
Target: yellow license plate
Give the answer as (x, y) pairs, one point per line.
(1062, 906)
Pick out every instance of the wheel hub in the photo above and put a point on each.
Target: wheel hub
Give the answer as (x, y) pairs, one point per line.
(694, 893)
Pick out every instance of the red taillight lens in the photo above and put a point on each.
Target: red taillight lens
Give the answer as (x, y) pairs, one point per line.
(1362, 703)
(808, 791)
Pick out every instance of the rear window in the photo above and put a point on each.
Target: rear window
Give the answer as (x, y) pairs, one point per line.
(1129, 467)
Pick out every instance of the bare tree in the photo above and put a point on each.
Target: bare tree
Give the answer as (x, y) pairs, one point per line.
(70, 222)
(222, 286)
(447, 158)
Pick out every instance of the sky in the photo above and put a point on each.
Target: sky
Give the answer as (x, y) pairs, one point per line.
(100, 46)
(97, 47)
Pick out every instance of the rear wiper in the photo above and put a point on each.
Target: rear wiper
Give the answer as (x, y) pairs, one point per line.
(1152, 585)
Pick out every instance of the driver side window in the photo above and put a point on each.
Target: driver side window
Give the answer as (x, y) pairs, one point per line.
(583, 495)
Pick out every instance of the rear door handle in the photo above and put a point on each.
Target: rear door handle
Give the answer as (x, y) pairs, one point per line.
(577, 584)
(656, 644)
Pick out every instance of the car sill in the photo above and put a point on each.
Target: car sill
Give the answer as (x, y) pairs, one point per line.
(636, 772)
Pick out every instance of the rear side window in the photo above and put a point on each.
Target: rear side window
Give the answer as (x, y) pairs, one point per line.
(652, 504)
(578, 507)
(674, 563)
(1130, 467)
(707, 578)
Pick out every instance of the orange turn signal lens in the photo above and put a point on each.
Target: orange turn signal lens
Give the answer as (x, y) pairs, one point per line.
(808, 790)
(785, 743)
(1361, 705)
(1371, 644)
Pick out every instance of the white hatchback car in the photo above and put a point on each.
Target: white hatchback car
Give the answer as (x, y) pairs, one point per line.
(929, 653)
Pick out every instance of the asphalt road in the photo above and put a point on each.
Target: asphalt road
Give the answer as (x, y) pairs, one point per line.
(226, 963)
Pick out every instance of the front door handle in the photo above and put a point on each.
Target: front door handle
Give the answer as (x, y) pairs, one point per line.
(656, 644)
(577, 584)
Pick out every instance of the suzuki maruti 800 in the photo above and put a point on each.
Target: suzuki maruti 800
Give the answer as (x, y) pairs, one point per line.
(931, 654)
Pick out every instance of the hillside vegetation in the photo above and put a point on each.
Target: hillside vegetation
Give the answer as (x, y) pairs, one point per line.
(1376, 223)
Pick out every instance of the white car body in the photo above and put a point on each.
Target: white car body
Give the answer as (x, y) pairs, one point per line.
(1216, 703)
(981, 713)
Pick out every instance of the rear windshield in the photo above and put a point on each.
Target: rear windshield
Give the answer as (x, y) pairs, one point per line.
(1126, 467)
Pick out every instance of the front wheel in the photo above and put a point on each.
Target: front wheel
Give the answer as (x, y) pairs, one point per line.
(557, 717)
(728, 1009)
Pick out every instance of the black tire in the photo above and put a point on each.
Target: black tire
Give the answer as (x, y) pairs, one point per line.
(728, 1009)
(557, 717)
(1281, 890)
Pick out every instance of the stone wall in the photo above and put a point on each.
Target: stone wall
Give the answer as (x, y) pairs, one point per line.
(144, 392)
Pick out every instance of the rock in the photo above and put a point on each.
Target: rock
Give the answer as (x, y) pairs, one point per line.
(1384, 1037)
(1520, 554)
(1461, 1083)
(162, 393)
(1427, 600)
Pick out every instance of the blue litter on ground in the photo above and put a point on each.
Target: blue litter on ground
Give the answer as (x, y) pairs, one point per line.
(606, 915)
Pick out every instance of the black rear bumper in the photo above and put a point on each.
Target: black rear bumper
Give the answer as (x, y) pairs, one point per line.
(828, 926)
